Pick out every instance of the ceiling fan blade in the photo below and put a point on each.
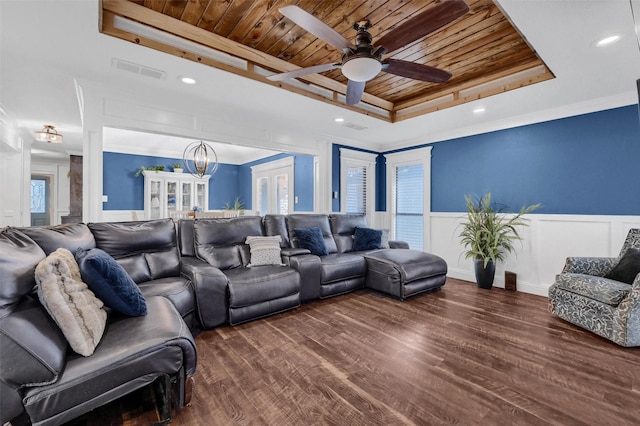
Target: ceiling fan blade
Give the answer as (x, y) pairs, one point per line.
(416, 71)
(303, 71)
(316, 27)
(355, 89)
(425, 23)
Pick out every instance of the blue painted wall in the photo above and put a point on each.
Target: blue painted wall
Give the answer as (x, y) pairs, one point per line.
(586, 164)
(126, 191)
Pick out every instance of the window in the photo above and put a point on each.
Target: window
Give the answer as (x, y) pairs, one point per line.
(409, 204)
(38, 196)
(273, 187)
(409, 196)
(357, 177)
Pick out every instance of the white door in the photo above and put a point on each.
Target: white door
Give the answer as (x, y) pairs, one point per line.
(273, 187)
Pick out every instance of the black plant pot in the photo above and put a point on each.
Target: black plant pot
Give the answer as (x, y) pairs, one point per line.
(484, 275)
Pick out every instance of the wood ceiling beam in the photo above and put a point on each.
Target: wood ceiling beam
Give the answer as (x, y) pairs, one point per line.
(198, 35)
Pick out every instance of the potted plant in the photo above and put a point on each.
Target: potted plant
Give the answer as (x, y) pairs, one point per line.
(237, 205)
(154, 168)
(488, 234)
(177, 167)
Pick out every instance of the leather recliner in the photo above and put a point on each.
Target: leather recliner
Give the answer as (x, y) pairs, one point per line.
(40, 377)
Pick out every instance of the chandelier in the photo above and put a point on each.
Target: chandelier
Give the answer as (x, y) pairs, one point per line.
(200, 159)
(49, 134)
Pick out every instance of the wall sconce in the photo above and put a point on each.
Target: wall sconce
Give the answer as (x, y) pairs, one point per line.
(200, 159)
(49, 134)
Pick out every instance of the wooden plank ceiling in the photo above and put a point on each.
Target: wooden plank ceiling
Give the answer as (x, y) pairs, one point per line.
(483, 50)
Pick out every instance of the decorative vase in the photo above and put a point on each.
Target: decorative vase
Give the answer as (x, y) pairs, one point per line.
(177, 170)
(484, 275)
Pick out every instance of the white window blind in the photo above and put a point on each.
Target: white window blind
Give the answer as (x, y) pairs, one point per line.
(357, 182)
(409, 207)
(356, 197)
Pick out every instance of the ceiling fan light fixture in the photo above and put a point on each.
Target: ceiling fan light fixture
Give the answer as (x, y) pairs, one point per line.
(361, 68)
(48, 134)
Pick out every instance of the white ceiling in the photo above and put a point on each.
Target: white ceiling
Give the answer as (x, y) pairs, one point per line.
(48, 45)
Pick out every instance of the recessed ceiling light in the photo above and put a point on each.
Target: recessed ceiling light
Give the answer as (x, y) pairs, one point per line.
(187, 80)
(479, 110)
(608, 40)
(338, 120)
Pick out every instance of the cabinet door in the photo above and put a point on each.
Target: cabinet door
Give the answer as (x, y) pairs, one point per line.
(186, 195)
(172, 197)
(201, 196)
(154, 200)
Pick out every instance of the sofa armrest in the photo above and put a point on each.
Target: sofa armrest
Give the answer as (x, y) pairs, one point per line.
(288, 252)
(398, 244)
(309, 268)
(627, 321)
(210, 286)
(596, 266)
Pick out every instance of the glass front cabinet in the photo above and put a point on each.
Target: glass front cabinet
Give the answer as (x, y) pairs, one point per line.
(166, 193)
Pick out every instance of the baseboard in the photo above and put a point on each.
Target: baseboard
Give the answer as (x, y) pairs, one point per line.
(523, 286)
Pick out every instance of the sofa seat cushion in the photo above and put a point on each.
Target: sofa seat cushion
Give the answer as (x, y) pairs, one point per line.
(342, 266)
(132, 353)
(248, 286)
(601, 289)
(178, 290)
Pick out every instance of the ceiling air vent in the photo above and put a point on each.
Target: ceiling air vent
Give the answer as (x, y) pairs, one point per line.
(138, 69)
(354, 126)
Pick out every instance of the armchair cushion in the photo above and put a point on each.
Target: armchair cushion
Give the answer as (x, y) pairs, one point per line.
(628, 268)
(311, 238)
(601, 289)
(110, 282)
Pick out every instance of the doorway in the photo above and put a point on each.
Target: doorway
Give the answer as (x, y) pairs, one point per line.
(41, 200)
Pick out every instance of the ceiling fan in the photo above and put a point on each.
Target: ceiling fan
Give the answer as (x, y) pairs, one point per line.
(362, 62)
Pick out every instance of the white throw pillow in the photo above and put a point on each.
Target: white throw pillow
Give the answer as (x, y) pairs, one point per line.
(264, 250)
(76, 310)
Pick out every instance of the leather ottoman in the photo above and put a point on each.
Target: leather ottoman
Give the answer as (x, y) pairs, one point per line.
(404, 272)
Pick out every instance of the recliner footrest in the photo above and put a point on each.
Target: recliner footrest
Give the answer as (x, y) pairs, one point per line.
(404, 272)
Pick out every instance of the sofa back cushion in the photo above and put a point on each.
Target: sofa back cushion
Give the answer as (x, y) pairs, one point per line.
(275, 224)
(186, 237)
(343, 227)
(70, 236)
(310, 221)
(221, 242)
(146, 250)
(32, 347)
(20, 256)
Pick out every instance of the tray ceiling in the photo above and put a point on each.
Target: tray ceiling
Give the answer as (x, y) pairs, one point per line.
(483, 50)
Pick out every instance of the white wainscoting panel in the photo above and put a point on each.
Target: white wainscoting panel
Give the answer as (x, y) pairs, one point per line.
(122, 215)
(547, 242)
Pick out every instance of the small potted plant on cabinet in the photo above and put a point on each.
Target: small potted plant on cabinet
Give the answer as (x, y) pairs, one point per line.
(177, 167)
(488, 234)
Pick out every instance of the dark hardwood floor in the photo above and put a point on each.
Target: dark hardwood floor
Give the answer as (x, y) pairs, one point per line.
(458, 356)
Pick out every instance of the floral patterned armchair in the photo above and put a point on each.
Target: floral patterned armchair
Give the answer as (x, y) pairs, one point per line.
(590, 293)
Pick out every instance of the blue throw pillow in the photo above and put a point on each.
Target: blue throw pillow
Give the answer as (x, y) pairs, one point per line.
(312, 240)
(366, 239)
(110, 282)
